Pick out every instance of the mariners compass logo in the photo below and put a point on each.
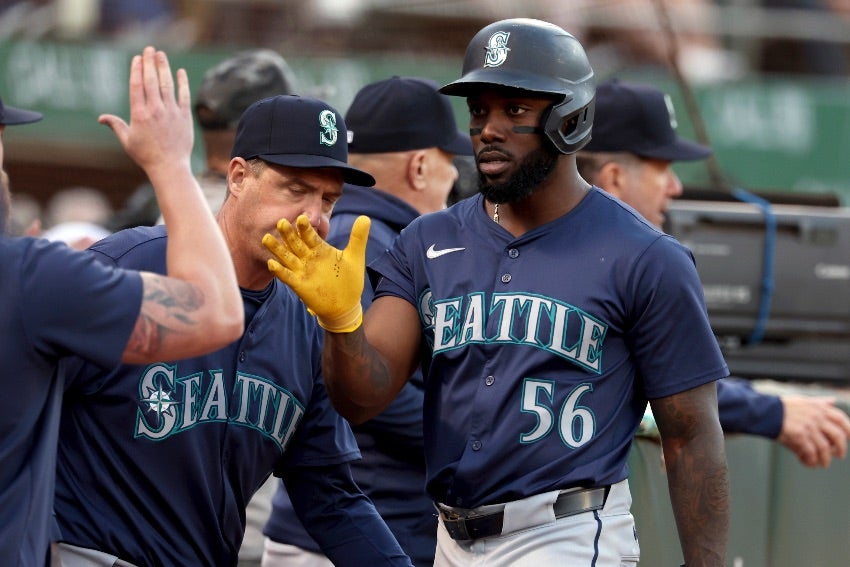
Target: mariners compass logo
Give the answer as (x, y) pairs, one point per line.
(497, 49)
(328, 135)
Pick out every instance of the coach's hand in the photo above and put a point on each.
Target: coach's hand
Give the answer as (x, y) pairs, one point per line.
(329, 281)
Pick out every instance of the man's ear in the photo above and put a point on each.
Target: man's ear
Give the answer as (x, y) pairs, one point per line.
(237, 172)
(611, 178)
(417, 170)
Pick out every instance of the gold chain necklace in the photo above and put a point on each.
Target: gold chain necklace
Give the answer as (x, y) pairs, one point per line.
(496, 213)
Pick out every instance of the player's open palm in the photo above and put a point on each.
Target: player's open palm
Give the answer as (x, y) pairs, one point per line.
(160, 125)
(329, 281)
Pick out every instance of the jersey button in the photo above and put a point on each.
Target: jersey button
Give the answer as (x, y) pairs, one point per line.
(489, 380)
(476, 445)
(242, 356)
(513, 253)
(506, 278)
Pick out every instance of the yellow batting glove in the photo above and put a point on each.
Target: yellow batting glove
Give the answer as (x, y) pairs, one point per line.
(329, 281)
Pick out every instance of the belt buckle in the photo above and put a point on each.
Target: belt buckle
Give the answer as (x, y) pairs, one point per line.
(580, 501)
(457, 528)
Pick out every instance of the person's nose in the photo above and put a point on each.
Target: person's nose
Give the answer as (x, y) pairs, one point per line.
(674, 185)
(493, 129)
(314, 213)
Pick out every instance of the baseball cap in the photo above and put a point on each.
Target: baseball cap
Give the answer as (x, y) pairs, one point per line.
(403, 113)
(636, 118)
(231, 86)
(9, 115)
(297, 132)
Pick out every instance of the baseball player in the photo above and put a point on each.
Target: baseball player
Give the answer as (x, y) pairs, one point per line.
(157, 462)
(55, 301)
(630, 156)
(403, 132)
(545, 314)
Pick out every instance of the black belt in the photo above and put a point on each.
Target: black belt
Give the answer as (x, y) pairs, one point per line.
(487, 525)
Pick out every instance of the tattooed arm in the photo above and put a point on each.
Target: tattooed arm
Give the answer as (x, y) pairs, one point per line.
(366, 369)
(198, 307)
(169, 305)
(697, 476)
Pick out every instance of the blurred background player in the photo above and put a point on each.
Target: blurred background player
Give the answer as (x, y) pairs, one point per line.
(402, 131)
(630, 155)
(77, 216)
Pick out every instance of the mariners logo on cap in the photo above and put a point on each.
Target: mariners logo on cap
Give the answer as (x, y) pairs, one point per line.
(497, 49)
(671, 111)
(328, 135)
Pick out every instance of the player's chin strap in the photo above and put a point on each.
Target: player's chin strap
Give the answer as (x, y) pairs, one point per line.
(516, 129)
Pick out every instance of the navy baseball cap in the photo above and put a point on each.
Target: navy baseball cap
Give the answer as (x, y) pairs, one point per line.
(296, 131)
(231, 86)
(9, 115)
(639, 119)
(403, 113)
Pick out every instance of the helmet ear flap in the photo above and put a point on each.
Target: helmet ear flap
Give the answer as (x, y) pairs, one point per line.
(568, 132)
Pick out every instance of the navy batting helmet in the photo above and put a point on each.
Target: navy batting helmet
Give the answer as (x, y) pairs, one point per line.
(540, 57)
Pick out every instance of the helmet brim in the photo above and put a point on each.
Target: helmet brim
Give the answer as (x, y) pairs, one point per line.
(475, 81)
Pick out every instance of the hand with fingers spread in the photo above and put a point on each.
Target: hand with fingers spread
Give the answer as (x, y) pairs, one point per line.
(160, 125)
(329, 281)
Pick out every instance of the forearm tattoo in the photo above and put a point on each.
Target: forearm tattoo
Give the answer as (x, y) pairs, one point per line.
(168, 306)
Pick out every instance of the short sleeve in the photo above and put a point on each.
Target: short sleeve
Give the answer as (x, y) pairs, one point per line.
(76, 305)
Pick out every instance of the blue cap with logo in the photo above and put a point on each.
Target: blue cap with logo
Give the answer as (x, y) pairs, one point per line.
(403, 113)
(297, 131)
(637, 118)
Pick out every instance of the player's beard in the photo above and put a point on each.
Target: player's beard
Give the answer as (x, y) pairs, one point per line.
(533, 170)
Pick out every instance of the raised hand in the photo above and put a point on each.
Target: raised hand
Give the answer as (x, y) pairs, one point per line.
(329, 281)
(160, 129)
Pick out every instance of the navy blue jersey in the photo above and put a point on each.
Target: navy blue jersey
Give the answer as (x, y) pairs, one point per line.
(157, 462)
(53, 302)
(392, 470)
(543, 350)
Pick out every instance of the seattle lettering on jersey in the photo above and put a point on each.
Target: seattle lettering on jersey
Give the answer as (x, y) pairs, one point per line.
(520, 319)
(171, 404)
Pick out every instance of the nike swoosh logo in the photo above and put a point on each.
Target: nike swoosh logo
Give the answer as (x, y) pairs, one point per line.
(432, 253)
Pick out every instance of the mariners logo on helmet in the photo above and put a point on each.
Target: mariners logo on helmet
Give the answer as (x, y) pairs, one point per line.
(328, 135)
(497, 49)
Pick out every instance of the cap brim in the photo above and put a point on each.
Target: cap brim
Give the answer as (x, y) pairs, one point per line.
(460, 145)
(679, 150)
(349, 174)
(11, 116)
